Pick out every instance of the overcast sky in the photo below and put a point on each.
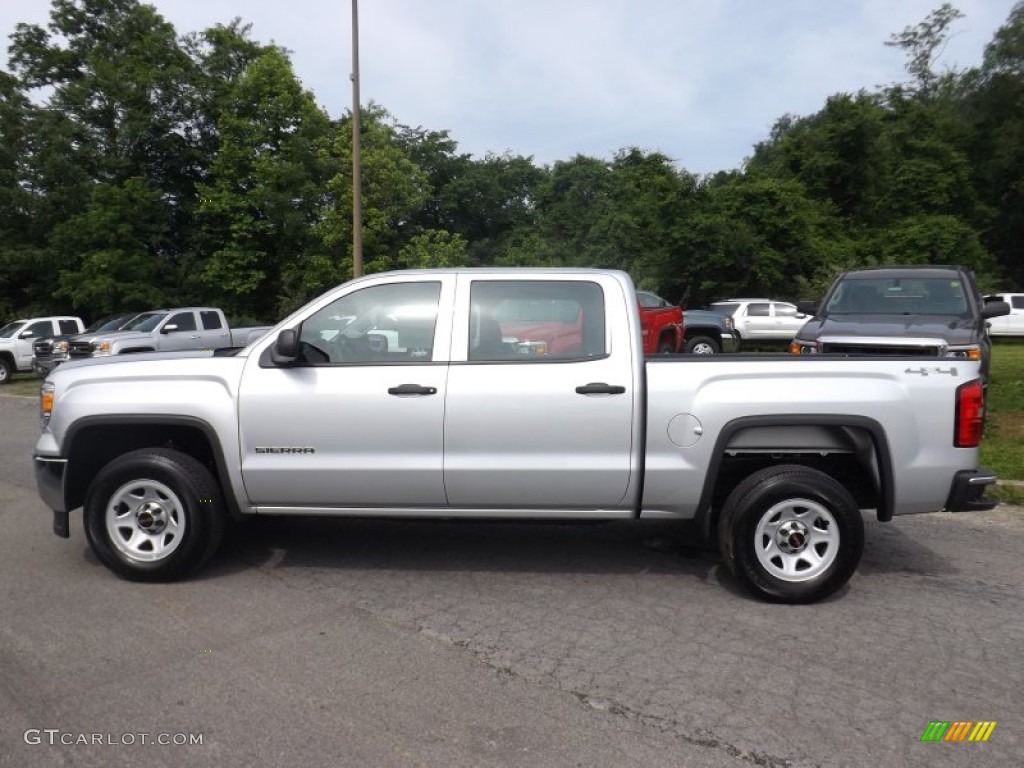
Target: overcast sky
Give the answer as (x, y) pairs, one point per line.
(700, 80)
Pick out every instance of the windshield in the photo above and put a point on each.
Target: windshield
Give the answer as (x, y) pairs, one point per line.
(10, 329)
(147, 321)
(109, 323)
(899, 296)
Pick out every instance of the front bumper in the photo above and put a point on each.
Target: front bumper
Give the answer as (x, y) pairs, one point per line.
(966, 494)
(50, 473)
(43, 367)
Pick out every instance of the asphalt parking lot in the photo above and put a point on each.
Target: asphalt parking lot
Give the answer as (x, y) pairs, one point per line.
(362, 643)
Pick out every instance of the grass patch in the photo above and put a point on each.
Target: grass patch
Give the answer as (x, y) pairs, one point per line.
(22, 384)
(1007, 494)
(1002, 450)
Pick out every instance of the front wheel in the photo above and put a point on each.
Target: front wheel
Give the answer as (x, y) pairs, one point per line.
(154, 514)
(703, 345)
(791, 534)
(6, 371)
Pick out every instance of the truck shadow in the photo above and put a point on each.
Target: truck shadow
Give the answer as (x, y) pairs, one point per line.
(624, 547)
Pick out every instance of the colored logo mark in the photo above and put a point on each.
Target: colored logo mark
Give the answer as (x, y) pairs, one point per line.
(958, 730)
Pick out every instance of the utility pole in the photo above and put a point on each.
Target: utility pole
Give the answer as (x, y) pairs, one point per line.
(357, 160)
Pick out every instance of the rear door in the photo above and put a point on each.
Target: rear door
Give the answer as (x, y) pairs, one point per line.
(213, 329)
(541, 398)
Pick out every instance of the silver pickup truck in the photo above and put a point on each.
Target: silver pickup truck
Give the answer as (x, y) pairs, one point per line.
(510, 394)
(167, 330)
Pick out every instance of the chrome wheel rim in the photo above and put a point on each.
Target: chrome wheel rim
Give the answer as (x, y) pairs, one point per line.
(796, 540)
(145, 520)
(703, 349)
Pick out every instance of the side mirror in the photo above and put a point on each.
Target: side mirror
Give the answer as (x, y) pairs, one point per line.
(286, 347)
(807, 308)
(26, 335)
(169, 328)
(995, 309)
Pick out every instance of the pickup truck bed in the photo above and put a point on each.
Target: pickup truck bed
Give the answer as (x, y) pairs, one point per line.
(440, 394)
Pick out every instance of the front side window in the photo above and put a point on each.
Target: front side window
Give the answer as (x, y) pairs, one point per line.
(185, 321)
(42, 328)
(382, 324)
(785, 310)
(1017, 302)
(535, 320)
(758, 310)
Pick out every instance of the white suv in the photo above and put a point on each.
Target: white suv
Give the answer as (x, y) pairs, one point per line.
(762, 319)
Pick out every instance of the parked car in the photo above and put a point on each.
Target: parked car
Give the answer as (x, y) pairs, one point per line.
(169, 330)
(919, 311)
(1011, 324)
(17, 338)
(708, 333)
(772, 458)
(49, 352)
(661, 323)
(762, 319)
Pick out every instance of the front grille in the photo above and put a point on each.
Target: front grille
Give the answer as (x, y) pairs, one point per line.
(80, 349)
(42, 347)
(882, 350)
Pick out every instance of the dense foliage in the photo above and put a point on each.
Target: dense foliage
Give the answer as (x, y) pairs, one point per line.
(139, 167)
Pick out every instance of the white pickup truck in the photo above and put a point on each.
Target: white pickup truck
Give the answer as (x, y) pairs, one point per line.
(510, 394)
(18, 336)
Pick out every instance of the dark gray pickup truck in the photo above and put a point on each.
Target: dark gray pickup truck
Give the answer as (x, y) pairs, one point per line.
(922, 311)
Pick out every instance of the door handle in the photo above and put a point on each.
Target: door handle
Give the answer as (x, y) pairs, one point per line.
(599, 388)
(411, 389)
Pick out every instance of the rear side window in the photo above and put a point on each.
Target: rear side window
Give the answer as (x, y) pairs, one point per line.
(535, 320)
(68, 326)
(211, 320)
(1017, 302)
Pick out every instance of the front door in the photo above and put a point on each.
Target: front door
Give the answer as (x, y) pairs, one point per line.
(358, 422)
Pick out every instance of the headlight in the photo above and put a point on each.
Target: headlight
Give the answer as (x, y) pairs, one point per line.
(101, 347)
(45, 402)
(803, 347)
(964, 352)
(60, 346)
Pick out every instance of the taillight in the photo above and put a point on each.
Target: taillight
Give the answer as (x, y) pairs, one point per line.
(970, 414)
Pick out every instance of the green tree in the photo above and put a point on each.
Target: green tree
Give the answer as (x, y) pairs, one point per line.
(265, 188)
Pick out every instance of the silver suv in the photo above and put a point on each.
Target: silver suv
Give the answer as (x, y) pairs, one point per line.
(762, 319)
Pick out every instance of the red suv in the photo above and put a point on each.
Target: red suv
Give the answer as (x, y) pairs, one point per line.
(661, 324)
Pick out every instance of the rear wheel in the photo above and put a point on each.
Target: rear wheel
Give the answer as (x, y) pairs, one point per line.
(154, 515)
(791, 534)
(703, 345)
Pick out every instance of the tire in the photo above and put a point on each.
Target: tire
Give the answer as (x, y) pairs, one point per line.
(703, 345)
(791, 534)
(666, 347)
(6, 371)
(154, 514)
